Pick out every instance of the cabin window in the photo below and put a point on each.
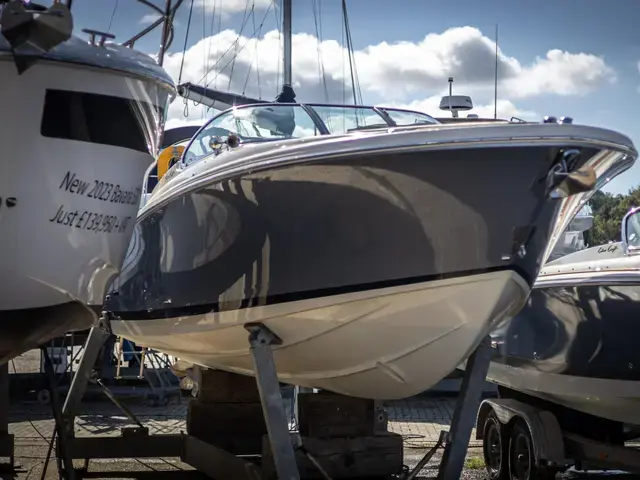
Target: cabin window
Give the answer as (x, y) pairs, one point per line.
(97, 118)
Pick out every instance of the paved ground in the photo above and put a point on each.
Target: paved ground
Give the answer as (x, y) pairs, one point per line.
(419, 421)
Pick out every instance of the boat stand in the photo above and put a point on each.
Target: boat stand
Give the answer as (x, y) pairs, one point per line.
(6, 439)
(286, 451)
(261, 340)
(464, 415)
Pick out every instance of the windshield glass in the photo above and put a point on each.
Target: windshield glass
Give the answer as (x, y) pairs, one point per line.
(406, 117)
(633, 230)
(344, 119)
(257, 123)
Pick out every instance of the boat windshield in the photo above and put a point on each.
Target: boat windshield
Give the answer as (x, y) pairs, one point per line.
(277, 121)
(633, 231)
(341, 119)
(253, 123)
(404, 118)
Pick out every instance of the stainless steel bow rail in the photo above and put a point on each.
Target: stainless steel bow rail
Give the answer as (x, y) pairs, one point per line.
(30, 27)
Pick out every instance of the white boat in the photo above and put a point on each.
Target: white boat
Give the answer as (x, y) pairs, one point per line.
(380, 257)
(83, 120)
(575, 344)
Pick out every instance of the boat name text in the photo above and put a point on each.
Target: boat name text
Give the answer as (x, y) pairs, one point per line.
(91, 221)
(103, 191)
(610, 248)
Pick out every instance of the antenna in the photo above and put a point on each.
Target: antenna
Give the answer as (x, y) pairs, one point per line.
(450, 91)
(495, 91)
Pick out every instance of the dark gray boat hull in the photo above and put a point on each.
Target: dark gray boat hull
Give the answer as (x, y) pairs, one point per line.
(333, 227)
(576, 346)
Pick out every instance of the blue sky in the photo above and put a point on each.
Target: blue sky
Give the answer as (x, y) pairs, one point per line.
(600, 87)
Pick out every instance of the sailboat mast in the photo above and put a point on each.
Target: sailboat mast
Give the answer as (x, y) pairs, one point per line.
(166, 28)
(286, 32)
(495, 85)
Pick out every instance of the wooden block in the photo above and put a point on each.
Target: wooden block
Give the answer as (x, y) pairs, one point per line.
(325, 415)
(375, 456)
(220, 386)
(210, 421)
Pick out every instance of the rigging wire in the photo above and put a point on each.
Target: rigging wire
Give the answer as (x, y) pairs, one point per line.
(254, 57)
(344, 82)
(113, 14)
(235, 56)
(184, 48)
(237, 40)
(278, 18)
(210, 39)
(257, 56)
(316, 8)
(204, 51)
(355, 82)
(239, 50)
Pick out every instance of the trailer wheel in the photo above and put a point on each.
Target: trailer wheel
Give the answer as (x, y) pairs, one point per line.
(494, 448)
(522, 460)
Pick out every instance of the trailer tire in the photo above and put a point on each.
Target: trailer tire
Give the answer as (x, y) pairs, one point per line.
(522, 460)
(495, 448)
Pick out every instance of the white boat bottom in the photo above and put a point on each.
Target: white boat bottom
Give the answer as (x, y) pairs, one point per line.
(385, 344)
(617, 400)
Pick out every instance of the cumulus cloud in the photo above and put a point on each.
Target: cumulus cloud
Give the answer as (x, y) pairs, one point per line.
(229, 7)
(225, 8)
(389, 73)
(149, 18)
(506, 109)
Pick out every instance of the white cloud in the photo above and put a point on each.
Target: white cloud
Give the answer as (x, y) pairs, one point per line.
(506, 109)
(402, 73)
(230, 7)
(149, 18)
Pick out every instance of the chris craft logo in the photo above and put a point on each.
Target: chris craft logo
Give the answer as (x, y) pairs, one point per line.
(610, 249)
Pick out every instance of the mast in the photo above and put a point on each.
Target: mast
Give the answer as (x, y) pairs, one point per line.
(495, 85)
(166, 27)
(286, 32)
(165, 19)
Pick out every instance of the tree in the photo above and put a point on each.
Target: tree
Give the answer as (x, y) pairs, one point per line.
(608, 211)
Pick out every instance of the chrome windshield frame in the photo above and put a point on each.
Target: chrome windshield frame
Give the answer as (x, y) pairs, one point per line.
(315, 117)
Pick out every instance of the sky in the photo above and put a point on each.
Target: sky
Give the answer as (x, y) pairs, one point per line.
(578, 58)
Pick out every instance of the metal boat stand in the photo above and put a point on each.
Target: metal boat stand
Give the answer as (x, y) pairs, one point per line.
(133, 442)
(218, 463)
(6, 439)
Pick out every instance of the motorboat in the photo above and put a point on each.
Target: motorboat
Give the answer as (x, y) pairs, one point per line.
(574, 344)
(379, 244)
(86, 121)
(573, 239)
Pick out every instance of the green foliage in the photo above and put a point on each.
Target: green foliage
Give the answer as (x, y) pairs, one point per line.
(608, 210)
(474, 463)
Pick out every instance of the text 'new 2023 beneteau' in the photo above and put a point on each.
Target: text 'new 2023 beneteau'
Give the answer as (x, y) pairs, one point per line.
(84, 122)
(380, 245)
